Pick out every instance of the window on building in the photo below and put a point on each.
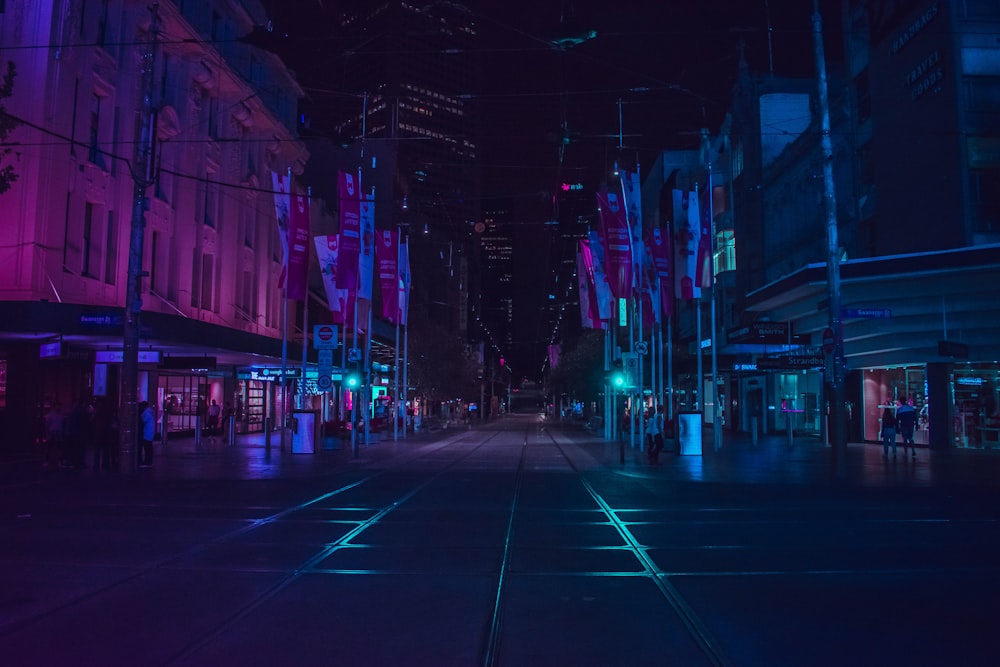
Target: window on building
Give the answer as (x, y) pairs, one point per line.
(173, 279)
(88, 255)
(863, 97)
(95, 155)
(111, 249)
(68, 244)
(725, 251)
(247, 295)
(985, 189)
(207, 282)
(211, 207)
(196, 279)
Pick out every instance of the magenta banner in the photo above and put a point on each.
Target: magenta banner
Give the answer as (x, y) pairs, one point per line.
(349, 193)
(387, 260)
(326, 254)
(298, 248)
(618, 245)
(282, 204)
(659, 250)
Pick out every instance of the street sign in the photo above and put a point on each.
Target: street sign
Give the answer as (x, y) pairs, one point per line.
(789, 362)
(642, 347)
(869, 313)
(324, 358)
(324, 337)
(630, 365)
(354, 354)
(828, 341)
(324, 382)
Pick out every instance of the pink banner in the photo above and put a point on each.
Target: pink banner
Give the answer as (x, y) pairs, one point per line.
(298, 251)
(349, 193)
(326, 254)
(387, 260)
(685, 244)
(618, 245)
(282, 206)
(590, 316)
(659, 250)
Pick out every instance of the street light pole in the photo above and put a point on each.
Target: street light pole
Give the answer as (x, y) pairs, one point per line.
(838, 435)
(142, 178)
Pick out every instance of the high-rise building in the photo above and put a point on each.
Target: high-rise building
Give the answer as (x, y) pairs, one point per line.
(410, 75)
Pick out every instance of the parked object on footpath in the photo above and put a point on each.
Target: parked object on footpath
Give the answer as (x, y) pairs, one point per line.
(906, 422)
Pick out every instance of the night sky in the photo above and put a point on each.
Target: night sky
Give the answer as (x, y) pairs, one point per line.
(672, 64)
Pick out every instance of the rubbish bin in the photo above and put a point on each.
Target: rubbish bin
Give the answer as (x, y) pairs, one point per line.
(304, 431)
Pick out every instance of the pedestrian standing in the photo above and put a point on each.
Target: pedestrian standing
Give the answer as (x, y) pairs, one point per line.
(214, 412)
(906, 422)
(888, 432)
(148, 421)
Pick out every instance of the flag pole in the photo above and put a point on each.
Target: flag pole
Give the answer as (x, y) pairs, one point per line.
(284, 324)
(305, 316)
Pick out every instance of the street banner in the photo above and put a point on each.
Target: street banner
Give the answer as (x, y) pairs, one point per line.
(618, 251)
(298, 247)
(336, 298)
(659, 250)
(685, 244)
(584, 278)
(366, 257)
(404, 280)
(349, 194)
(387, 260)
(602, 290)
(282, 211)
(631, 193)
(703, 267)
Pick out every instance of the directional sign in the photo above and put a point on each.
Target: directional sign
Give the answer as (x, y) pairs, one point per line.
(324, 337)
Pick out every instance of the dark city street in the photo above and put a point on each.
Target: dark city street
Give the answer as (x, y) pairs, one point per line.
(523, 542)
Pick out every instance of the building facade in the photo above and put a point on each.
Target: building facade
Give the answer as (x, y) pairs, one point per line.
(211, 309)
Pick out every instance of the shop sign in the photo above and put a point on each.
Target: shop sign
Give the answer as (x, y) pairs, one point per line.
(789, 362)
(267, 374)
(118, 356)
(870, 313)
(175, 362)
(99, 320)
(50, 350)
(760, 332)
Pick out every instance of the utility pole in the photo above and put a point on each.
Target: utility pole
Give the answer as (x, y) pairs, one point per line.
(837, 427)
(142, 177)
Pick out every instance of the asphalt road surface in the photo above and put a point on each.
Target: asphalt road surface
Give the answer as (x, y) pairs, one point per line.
(516, 543)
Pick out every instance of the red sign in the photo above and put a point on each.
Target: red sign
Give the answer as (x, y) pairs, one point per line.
(325, 333)
(828, 341)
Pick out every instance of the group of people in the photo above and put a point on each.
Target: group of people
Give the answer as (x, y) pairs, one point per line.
(901, 422)
(87, 424)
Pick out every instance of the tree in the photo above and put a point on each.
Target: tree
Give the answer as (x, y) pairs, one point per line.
(580, 372)
(442, 366)
(7, 125)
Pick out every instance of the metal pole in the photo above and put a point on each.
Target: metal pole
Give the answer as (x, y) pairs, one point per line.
(284, 335)
(716, 426)
(838, 432)
(142, 178)
(305, 320)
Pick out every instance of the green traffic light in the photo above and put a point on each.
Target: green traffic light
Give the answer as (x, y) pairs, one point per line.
(618, 380)
(352, 381)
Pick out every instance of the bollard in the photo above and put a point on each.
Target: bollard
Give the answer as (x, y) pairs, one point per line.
(753, 430)
(267, 435)
(197, 431)
(231, 433)
(788, 421)
(163, 429)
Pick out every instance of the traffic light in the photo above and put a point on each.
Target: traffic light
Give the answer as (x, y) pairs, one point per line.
(616, 376)
(353, 380)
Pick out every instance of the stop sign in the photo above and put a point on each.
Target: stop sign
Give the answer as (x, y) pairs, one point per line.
(324, 337)
(828, 341)
(324, 333)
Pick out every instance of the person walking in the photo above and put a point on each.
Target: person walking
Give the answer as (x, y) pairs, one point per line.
(906, 422)
(888, 432)
(655, 429)
(148, 420)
